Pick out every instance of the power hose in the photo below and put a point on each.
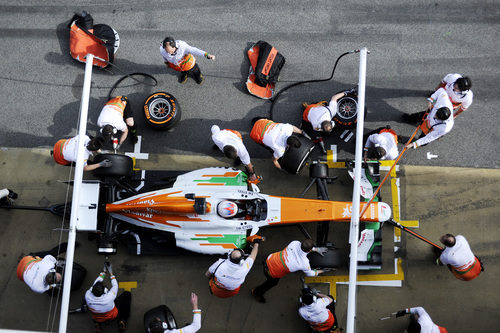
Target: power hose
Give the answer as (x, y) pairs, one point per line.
(275, 98)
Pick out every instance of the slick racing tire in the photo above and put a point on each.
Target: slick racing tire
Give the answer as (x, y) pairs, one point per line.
(162, 312)
(331, 259)
(347, 111)
(294, 159)
(122, 165)
(162, 111)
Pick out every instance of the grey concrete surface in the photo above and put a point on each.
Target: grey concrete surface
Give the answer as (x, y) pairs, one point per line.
(413, 45)
(462, 201)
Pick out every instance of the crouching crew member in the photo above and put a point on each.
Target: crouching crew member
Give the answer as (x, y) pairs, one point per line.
(276, 136)
(437, 121)
(101, 302)
(459, 258)
(458, 89)
(66, 150)
(318, 310)
(320, 115)
(278, 264)
(231, 144)
(159, 326)
(180, 56)
(38, 269)
(420, 321)
(381, 145)
(117, 115)
(227, 275)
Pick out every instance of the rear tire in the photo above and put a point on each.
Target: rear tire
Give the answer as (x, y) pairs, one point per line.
(331, 259)
(294, 158)
(162, 111)
(122, 166)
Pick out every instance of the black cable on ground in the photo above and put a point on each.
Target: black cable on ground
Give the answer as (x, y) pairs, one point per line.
(131, 75)
(275, 98)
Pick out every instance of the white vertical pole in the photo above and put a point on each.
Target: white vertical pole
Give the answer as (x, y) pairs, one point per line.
(353, 236)
(70, 253)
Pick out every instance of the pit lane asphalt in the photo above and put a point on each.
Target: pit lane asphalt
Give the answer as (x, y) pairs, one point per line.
(464, 202)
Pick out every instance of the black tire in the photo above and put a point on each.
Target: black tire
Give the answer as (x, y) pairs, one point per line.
(162, 312)
(294, 159)
(122, 166)
(331, 259)
(162, 111)
(347, 112)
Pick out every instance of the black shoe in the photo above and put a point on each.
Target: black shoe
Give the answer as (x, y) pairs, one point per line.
(258, 298)
(199, 79)
(183, 78)
(134, 138)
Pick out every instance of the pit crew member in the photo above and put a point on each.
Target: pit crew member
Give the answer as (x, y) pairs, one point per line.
(459, 258)
(230, 142)
(157, 326)
(227, 275)
(65, 152)
(458, 89)
(276, 136)
(117, 115)
(291, 259)
(318, 310)
(381, 145)
(420, 321)
(180, 56)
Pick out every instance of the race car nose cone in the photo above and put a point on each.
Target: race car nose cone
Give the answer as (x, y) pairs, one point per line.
(384, 211)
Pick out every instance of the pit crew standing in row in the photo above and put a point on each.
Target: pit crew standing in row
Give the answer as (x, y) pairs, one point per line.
(458, 89)
(291, 259)
(276, 136)
(180, 56)
(116, 115)
(65, 152)
(381, 145)
(318, 310)
(231, 144)
(40, 274)
(459, 258)
(438, 119)
(227, 275)
(320, 115)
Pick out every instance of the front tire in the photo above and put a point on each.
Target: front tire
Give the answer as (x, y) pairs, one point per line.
(122, 165)
(294, 159)
(162, 111)
(347, 111)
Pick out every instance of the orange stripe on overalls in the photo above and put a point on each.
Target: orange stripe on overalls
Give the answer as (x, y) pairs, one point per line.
(388, 130)
(261, 127)
(58, 152)
(118, 103)
(276, 264)
(24, 264)
(235, 132)
(102, 317)
(468, 273)
(218, 290)
(187, 63)
(308, 109)
(326, 325)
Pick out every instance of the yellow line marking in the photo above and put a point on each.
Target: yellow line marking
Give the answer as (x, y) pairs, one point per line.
(332, 280)
(133, 165)
(128, 286)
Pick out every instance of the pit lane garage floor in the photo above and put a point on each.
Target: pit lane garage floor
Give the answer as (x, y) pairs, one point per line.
(456, 200)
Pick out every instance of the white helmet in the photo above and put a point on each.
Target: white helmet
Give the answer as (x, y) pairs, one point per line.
(227, 208)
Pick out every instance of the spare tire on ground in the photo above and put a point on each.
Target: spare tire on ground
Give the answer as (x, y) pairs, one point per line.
(162, 111)
(122, 165)
(295, 158)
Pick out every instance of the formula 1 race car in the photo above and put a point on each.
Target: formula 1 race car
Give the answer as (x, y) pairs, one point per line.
(208, 211)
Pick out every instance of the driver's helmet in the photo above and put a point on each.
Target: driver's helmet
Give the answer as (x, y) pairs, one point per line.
(227, 209)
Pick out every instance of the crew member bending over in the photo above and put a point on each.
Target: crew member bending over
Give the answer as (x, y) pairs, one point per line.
(231, 144)
(320, 115)
(278, 264)
(318, 310)
(437, 121)
(227, 275)
(65, 152)
(180, 56)
(459, 258)
(420, 321)
(38, 269)
(381, 145)
(458, 89)
(116, 115)
(276, 136)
